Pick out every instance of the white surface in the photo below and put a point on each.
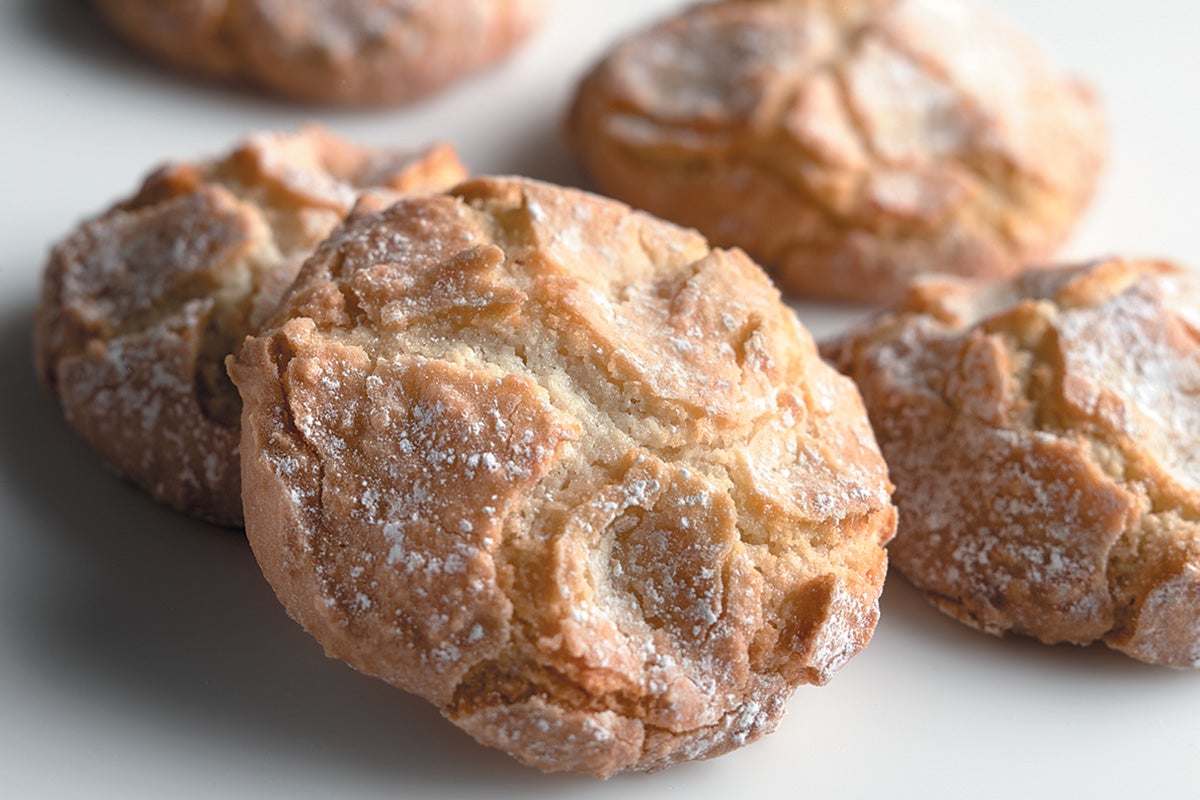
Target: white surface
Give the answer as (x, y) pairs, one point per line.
(142, 655)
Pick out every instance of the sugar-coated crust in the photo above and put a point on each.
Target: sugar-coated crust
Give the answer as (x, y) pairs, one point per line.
(564, 471)
(141, 305)
(848, 146)
(342, 52)
(1042, 434)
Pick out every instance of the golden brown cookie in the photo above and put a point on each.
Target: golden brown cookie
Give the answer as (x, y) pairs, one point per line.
(342, 52)
(141, 305)
(1042, 434)
(848, 146)
(564, 471)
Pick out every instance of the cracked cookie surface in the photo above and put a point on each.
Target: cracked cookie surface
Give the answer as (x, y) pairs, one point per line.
(141, 305)
(563, 470)
(1042, 436)
(847, 146)
(341, 52)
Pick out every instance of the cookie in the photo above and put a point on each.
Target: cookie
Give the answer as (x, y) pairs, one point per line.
(141, 305)
(847, 146)
(1042, 435)
(348, 52)
(564, 471)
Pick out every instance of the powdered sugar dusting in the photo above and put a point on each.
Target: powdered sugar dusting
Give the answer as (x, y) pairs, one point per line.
(1132, 365)
(690, 70)
(1042, 449)
(1168, 629)
(855, 144)
(174, 278)
(342, 28)
(551, 491)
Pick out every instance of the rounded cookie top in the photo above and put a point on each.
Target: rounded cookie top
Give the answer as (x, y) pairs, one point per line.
(141, 305)
(566, 472)
(1042, 434)
(847, 146)
(343, 52)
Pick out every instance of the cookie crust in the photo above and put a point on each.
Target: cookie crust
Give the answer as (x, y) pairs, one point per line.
(564, 471)
(847, 146)
(346, 52)
(141, 305)
(1042, 435)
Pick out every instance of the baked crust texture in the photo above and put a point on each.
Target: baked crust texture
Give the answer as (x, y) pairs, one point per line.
(1042, 436)
(340, 52)
(563, 470)
(848, 146)
(141, 304)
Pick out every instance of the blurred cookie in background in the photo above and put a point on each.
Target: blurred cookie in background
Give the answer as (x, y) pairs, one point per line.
(846, 146)
(335, 52)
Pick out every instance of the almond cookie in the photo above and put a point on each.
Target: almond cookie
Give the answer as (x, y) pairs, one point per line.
(1042, 434)
(564, 471)
(341, 52)
(848, 146)
(141, 305)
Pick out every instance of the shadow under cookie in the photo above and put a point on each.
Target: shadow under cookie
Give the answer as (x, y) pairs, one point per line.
(138, 612)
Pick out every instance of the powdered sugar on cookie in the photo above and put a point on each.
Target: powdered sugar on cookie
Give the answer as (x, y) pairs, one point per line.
(605, 505)
(848, 145)
(141, 305)
(1041, 433)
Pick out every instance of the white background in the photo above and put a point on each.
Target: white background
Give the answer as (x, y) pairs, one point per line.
(142, 655)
